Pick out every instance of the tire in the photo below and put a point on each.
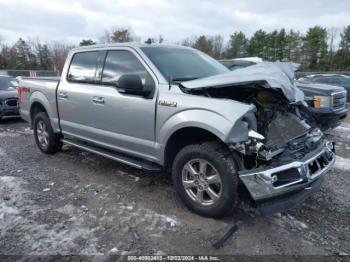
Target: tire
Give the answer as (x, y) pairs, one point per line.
(43, 129)
(198, 195)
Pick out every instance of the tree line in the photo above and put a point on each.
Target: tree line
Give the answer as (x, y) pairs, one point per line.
(316, 50)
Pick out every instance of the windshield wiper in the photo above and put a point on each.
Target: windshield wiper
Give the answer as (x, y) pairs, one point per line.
(183, 79)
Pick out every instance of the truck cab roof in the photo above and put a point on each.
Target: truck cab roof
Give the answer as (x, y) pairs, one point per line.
(135, 45)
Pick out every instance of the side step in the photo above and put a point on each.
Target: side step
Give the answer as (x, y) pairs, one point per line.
(131, 161)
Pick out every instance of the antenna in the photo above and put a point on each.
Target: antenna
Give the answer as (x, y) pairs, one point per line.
(169, 81)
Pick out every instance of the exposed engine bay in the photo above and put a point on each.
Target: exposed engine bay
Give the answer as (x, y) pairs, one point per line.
(284, 131)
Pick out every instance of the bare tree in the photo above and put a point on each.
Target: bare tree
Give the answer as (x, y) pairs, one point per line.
(59, 53)
(154, 40)
(106, 38)
(332, 34)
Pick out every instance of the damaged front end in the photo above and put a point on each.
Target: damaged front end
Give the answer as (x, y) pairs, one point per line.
(284, 150)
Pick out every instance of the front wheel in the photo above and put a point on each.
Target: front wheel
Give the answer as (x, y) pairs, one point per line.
(45, 138)
(206, 179)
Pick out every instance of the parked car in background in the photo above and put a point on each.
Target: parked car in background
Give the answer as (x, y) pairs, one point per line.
(225, 136)
(8, 97)
(327, 102)
(330, 79)
(234, 64)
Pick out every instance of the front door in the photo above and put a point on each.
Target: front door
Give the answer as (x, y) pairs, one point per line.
(112, 119)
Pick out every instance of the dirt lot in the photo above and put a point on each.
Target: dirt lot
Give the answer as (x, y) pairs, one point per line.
(79, 203)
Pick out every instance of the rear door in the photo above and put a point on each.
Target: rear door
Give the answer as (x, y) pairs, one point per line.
(75, 94)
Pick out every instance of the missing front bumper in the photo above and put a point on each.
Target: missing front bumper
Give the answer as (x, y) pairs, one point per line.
(268, 183)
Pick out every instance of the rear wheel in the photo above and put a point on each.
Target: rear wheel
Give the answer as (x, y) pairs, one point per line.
(206, 180)
(47, 141)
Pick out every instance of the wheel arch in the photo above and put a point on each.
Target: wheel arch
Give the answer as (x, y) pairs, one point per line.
(186, 136)
(39, 103)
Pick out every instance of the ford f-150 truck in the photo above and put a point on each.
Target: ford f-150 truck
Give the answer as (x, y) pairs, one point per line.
(226, 137)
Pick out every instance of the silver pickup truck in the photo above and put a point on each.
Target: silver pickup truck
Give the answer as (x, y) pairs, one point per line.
(226, 137)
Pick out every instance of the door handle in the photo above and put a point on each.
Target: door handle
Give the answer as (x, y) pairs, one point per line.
(98, 100)
(63, 95)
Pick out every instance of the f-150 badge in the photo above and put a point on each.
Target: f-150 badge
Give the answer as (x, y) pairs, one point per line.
(167, 103)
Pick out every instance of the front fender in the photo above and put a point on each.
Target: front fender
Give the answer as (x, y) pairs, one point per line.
(207, 120)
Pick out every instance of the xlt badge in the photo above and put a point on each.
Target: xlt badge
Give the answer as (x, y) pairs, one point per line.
(167, 103)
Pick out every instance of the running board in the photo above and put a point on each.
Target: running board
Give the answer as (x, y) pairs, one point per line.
(134, 162)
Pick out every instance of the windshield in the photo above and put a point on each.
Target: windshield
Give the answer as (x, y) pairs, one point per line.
(182, 64)
(7, 82)
(345, 81)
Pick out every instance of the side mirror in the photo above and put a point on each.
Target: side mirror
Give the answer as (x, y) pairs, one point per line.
(132, 84)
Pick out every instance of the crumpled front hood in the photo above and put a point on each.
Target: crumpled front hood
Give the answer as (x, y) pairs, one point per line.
(278, 75)
(4, 94)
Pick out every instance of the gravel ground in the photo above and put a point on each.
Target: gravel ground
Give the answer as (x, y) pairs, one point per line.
(79, 203)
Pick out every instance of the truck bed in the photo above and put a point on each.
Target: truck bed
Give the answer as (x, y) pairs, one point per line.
(41, 89)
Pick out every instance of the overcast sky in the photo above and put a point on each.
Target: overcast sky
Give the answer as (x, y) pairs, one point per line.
(71, 20)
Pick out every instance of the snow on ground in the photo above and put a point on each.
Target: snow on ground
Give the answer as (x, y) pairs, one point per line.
(289, 221)
(342, 163)
(342, 131)
(8, 134)
(15, 132)
(2, 152)
(18, 214)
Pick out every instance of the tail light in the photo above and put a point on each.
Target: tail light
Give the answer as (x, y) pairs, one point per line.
(21, 91)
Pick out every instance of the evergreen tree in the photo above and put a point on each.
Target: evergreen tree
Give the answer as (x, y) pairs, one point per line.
(257, 44)
(343, 54)
(237, 46)
(315, 48)
(293, 46)
(87, 42)
(44, 56)
(204, 44)
(121, 35)
(25, 59)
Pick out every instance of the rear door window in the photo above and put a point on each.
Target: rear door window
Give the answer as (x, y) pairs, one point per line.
(83, 67)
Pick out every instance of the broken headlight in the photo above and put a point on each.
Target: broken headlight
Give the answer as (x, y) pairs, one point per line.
(322, 101)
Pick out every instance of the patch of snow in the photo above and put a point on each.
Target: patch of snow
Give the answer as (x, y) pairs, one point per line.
(172, 222)
(342, 163)
(156, 224)
(38, 238)
(9, 134)
(342, 131)
(28, 131)
(114, 250)
(2, 152)
(46, 189)
(159, 253)
(290, 221)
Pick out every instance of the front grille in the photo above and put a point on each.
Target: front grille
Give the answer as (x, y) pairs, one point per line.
(317, 165)
(339, 100)
(12, 102)
(286, 177)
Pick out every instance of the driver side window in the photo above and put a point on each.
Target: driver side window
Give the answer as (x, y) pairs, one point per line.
(119, 63)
